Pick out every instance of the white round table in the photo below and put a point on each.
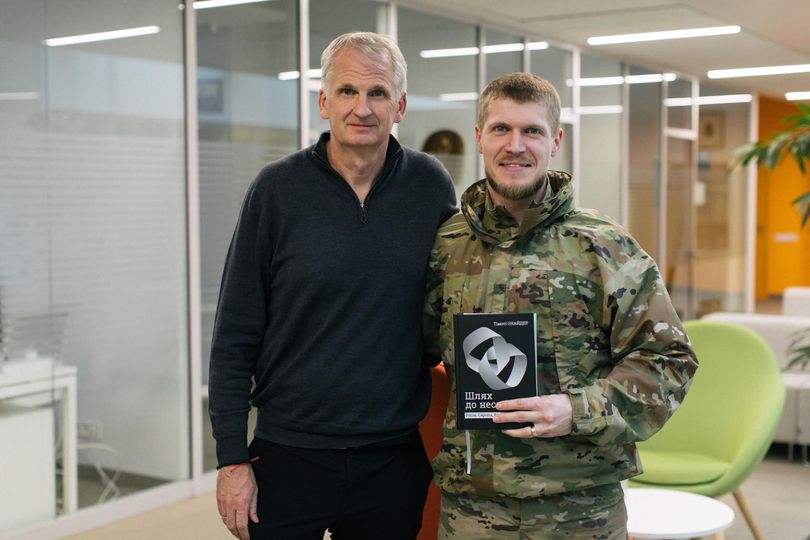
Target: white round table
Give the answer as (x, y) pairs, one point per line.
(670, 514)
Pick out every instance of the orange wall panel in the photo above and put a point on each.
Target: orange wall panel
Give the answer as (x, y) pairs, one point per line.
(783, 248)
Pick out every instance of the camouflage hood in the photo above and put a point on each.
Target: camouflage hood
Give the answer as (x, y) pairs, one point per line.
(495, 225)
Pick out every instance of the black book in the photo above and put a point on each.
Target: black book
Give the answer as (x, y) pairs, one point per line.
(496, 359)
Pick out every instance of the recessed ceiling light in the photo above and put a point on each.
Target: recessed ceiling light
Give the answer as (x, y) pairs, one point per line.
(758, 71)
(102, 36)
(618, 79)
(504, 47)
(15, 96)
(709, 100)
(601, 109)
(205, 4)
(444, 53)
(567, 113)
(666, 34)
(292, 75)
(797, 96)
(650, 78)
(486, 49)
(459, 96)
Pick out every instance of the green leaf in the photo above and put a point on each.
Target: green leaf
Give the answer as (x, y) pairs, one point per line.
(804, 198)
(803, 202)
(805, 108)
(799, 155)
(799, 349)
(774, 151)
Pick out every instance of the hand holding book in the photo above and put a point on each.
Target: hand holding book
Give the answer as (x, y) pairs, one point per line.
(550, 416)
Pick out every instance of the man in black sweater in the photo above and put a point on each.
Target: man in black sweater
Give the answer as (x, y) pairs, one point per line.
(319, 320)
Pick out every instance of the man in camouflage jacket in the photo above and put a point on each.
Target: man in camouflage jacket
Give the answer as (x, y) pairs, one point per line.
(613, 359)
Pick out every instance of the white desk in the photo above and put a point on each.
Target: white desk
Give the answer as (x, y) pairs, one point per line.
(62, 380)
(670, 514)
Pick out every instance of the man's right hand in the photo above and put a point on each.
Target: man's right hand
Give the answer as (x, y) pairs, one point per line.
(237, 495)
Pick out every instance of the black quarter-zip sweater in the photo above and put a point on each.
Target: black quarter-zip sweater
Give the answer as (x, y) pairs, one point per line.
(321, 303)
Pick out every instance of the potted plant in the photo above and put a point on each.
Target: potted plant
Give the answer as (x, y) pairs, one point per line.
(794, 140)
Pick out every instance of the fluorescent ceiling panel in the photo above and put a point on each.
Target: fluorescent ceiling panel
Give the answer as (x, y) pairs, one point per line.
(459, 96)
(758, 71)
(102, 36)
(618, 79)
(206, 4)
(709, 100)
(292, 75)
(797, 96)
(486, 49)
(445, 53)
(666, 34)
(16, 96)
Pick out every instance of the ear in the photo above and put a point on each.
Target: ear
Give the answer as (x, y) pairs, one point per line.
(401, 106)
(322, 105)
(556, 143)
(478, 140)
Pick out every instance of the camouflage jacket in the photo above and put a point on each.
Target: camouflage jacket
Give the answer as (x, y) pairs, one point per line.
(607, 336)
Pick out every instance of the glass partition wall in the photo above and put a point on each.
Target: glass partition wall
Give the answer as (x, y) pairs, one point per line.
(247, 108)
(327, 20)
(96, 257)
(644, 174)
(601, 112)
(442, 91)
(94, 394)
(720, 205)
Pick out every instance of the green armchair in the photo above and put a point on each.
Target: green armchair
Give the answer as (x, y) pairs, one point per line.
(724, 427)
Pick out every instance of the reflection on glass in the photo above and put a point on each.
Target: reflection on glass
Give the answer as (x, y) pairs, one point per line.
(643, 171)
(554, 65)
(247, 107)
(679, 117)
(678, 271)
(720, 201)
(601, 140)
(93, 266)
(442, 93)
(502, 60)
(327, 20)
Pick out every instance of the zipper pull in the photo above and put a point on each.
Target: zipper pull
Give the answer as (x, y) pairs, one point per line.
(363, 215)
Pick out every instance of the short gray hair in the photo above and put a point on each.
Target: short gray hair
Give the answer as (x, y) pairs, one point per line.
(371, 45)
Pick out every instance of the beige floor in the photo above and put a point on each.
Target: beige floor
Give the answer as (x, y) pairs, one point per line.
(778, 493)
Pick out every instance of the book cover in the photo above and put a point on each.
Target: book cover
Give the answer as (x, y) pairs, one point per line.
(496, 359)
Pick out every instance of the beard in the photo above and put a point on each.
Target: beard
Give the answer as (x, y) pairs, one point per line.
(517, 193)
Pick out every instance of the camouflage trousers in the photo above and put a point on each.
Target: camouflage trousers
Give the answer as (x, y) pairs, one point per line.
(596, 513)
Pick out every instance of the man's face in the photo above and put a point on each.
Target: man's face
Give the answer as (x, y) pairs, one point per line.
(360, 103)
(517, 142)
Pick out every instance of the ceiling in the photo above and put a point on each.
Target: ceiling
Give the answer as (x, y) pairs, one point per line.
(773, 33)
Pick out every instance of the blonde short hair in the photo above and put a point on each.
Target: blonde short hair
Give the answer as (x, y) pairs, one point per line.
(523, 88)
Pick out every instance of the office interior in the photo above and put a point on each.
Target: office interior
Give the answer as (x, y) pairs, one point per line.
(123, 163)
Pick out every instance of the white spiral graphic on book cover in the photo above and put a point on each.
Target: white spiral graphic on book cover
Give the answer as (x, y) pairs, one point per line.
(501, 352)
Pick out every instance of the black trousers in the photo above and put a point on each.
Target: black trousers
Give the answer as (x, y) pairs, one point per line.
(370, 492)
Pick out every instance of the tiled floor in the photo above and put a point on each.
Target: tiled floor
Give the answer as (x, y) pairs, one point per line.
(778, 493)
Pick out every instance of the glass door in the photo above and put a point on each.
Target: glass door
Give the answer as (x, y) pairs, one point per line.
(676, 259)
(678, 265)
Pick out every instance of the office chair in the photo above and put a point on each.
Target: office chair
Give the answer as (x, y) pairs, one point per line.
(431, 428)
(726, 423)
